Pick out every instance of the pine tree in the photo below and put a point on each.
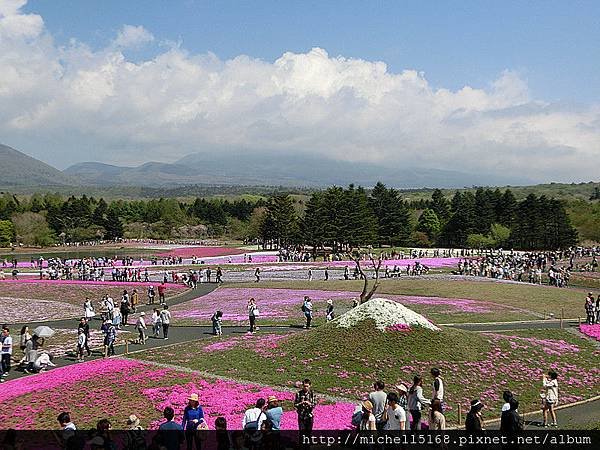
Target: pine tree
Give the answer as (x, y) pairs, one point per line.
(114, 227)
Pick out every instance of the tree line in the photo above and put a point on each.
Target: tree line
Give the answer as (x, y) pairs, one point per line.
(336, 218)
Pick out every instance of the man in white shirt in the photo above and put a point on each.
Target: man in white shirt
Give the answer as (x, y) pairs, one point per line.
(165, 318)
(141, 327)
(254, 417)
(396, 416)
(7, 345)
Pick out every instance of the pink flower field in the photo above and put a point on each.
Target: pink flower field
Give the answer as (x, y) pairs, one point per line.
(116, 388)
(53, 301)
(23, 310)
(284, 304)
(592, 331)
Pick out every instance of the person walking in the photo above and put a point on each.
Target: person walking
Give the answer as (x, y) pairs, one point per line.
(216, 320)
(165, 318)
(150, 294)
(135, 300)
(156, 322)
(161, 293)
(416, 402)
(305, 402)
(219, 275)
(307, 307)
(110, 336)
(257, 274)
(125, 308)
(193, 416)
(24, 337)
(7, 350)
(141, 327)
(474, 420)
(85, 327)
(88, 309)
(81, 341)
(549, 397)
(253, 313)
(329, 314)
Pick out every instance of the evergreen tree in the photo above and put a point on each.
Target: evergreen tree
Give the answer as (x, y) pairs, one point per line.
(439, 204)
(429, 223)
(392, 215)
(114, 227)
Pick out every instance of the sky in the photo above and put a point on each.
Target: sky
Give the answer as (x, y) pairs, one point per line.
(479, 86)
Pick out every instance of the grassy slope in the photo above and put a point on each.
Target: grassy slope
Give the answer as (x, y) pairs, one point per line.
(539, 299)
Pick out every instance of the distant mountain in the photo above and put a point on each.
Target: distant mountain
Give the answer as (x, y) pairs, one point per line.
(19, 169)
(276, 170)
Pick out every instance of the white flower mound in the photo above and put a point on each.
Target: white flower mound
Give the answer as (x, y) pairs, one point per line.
(385, 313)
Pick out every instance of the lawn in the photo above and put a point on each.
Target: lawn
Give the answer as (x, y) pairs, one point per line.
(115, 388)
(283, 306)
(532, 298)
(347, 361)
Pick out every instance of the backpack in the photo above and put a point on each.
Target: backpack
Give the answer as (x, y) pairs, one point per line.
(303, 307)
(253, 425)
(357, 418)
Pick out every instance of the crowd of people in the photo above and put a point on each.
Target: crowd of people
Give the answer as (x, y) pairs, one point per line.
(529, 267)
(399, 409)
(592, 309)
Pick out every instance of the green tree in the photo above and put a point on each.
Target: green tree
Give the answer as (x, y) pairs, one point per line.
(7, 233)
(429, 223)
(114, 227)
(32, 229)
(440, 205)
(392, 215)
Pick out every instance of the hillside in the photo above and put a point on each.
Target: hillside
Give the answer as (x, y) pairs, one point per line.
(276, 170)
(18, 169)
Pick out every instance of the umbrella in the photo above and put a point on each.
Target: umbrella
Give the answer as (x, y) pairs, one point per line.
(43, 331)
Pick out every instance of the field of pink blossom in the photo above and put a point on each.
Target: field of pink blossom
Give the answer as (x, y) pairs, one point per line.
(52, 301)
(592, 331)
(346, 361)
(24, 310)
(116, 388)
(284, 306)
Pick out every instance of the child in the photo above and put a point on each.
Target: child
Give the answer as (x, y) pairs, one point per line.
(216, 323)
(81, 340)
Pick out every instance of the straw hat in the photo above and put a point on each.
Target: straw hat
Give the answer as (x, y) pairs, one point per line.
(271, 399)
(133, 420)
(193, 397)
(368, 405)
(330, 302)
(402, 387)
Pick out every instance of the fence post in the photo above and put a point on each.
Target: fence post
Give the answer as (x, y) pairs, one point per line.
(579, 319)
(562, 317)
(126, 346)
(459, 413)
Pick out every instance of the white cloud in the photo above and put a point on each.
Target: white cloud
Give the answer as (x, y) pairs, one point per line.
(83, 104)
(133, 37)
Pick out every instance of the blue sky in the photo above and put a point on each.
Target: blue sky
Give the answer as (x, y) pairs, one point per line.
(553, 45)
(509, 88)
